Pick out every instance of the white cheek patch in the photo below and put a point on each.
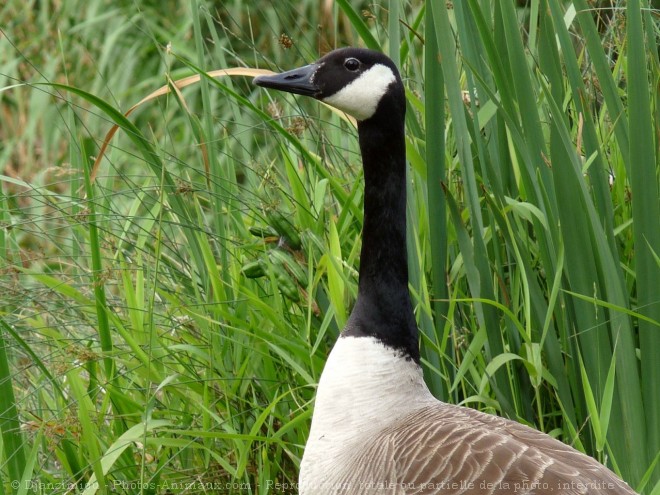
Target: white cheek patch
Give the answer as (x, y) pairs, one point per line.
(360, 98)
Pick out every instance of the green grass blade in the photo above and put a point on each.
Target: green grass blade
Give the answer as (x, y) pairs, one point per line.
(105, 336)
(606, 403)
(434, 114)
(89, 432)
(646, 212)
(359, 25)
(135, 434)
(594, 415)
(601, 64)
(647, 477)
(223, 185)
(28, 472)
(10, 425)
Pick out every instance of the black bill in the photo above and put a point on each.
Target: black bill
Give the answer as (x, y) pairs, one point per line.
(298, 81)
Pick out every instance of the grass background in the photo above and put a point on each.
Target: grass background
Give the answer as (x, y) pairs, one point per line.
(165, 313)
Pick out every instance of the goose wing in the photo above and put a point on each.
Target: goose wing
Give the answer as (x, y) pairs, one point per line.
(449, 450)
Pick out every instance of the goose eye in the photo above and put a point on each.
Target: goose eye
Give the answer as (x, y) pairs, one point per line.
(352, 64)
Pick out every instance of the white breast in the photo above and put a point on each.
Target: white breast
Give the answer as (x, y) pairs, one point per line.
(365, 387)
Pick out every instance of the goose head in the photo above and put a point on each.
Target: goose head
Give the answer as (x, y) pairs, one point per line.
(362, 83)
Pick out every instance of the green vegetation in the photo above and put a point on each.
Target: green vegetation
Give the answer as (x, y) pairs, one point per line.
(165, 316)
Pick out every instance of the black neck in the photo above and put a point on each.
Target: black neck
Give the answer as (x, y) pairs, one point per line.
(383, 308)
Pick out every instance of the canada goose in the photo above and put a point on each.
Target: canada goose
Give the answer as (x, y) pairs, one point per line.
(376, 427)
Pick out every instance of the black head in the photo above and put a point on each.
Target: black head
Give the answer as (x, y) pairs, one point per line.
(354, 80)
